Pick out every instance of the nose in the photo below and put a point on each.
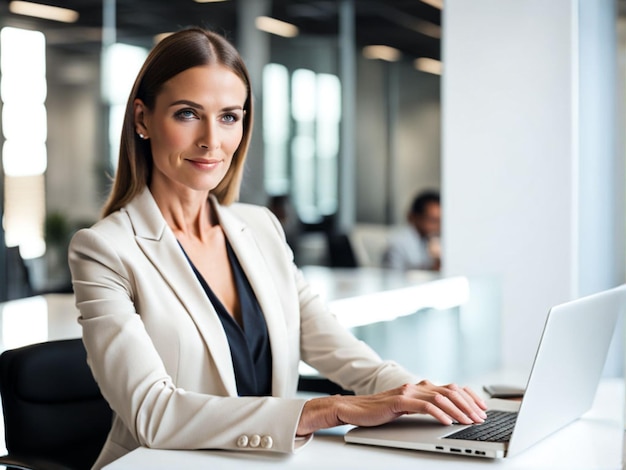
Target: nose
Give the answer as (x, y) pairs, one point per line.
(209, 138)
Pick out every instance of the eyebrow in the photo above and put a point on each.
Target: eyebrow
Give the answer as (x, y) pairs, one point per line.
(193, 104)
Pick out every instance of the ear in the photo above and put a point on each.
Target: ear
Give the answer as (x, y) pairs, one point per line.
(140, 109)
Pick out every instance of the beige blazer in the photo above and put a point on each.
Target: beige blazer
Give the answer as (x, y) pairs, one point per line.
(158, 350)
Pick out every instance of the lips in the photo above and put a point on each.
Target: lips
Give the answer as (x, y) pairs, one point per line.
(206, 164)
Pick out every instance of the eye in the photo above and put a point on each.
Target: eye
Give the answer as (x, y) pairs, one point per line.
(231, 118)
(185, 114)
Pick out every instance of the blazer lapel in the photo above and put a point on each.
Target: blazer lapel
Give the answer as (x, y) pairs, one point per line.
(255, 266)
(160, 246)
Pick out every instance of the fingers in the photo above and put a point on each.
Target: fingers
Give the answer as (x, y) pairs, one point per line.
(460, 405)
(453, 403)
(438, 413)
(479, 401)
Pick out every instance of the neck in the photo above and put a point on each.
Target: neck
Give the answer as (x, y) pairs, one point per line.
(188, 217)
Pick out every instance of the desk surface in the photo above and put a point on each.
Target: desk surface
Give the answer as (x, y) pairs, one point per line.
(369, 295)
(593, 442)
(339, 283)
(38, 319)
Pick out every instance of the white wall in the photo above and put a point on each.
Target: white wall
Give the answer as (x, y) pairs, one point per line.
(512, 156)
(601, 178)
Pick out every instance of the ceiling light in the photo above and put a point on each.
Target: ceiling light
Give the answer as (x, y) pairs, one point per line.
(209, 1)
(425, 64)
(46, 12)
(427, 28)
(277, 27)
(387, 53)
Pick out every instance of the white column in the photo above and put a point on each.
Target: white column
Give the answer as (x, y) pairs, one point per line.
(528, 143)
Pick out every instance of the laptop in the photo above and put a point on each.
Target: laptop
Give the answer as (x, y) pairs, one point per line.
(561, 387)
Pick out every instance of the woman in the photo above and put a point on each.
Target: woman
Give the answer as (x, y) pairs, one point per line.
(194, 316)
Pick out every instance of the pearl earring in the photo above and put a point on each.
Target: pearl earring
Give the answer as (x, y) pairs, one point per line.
(141, 136)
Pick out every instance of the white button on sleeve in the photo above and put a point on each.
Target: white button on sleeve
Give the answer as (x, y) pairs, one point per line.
(267, 442)
(255, 440)
(242, 441)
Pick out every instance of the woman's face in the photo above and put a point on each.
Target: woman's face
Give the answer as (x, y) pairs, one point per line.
(195, 127)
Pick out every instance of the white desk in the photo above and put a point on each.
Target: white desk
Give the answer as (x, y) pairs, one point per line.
(406, 315)
(368, 295)
(38, 319)
(593, 442)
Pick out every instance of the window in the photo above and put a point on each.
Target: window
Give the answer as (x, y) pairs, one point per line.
(121, 65)
(301, 119)
(23, 90)
(276, 128)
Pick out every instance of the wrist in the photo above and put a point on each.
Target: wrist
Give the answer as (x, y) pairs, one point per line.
(319, 413)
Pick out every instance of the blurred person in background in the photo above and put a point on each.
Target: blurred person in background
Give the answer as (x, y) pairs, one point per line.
(417, 245)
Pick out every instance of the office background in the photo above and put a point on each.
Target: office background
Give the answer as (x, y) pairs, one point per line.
(523, 132)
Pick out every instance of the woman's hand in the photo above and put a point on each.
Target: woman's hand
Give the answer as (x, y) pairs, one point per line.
(447, 403)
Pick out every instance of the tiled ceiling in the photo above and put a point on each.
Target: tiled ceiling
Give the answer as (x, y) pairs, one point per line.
(403, 24)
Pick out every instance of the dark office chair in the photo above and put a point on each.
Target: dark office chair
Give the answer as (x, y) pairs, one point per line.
(18, 284)
(340, 251)
(54, 415)
(321, 385)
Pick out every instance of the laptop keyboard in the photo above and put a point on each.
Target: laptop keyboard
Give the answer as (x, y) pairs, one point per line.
(497, 428)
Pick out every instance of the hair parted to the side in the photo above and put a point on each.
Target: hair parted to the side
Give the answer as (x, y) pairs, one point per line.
(190, 47)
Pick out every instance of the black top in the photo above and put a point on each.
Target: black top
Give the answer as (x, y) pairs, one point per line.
(249, 343)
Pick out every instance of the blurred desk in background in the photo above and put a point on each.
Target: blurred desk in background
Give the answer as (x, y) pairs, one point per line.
(38, 319)
(361, 296)
(444, 328)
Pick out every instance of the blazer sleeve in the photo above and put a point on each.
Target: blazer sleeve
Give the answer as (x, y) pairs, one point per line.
(132, 376)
